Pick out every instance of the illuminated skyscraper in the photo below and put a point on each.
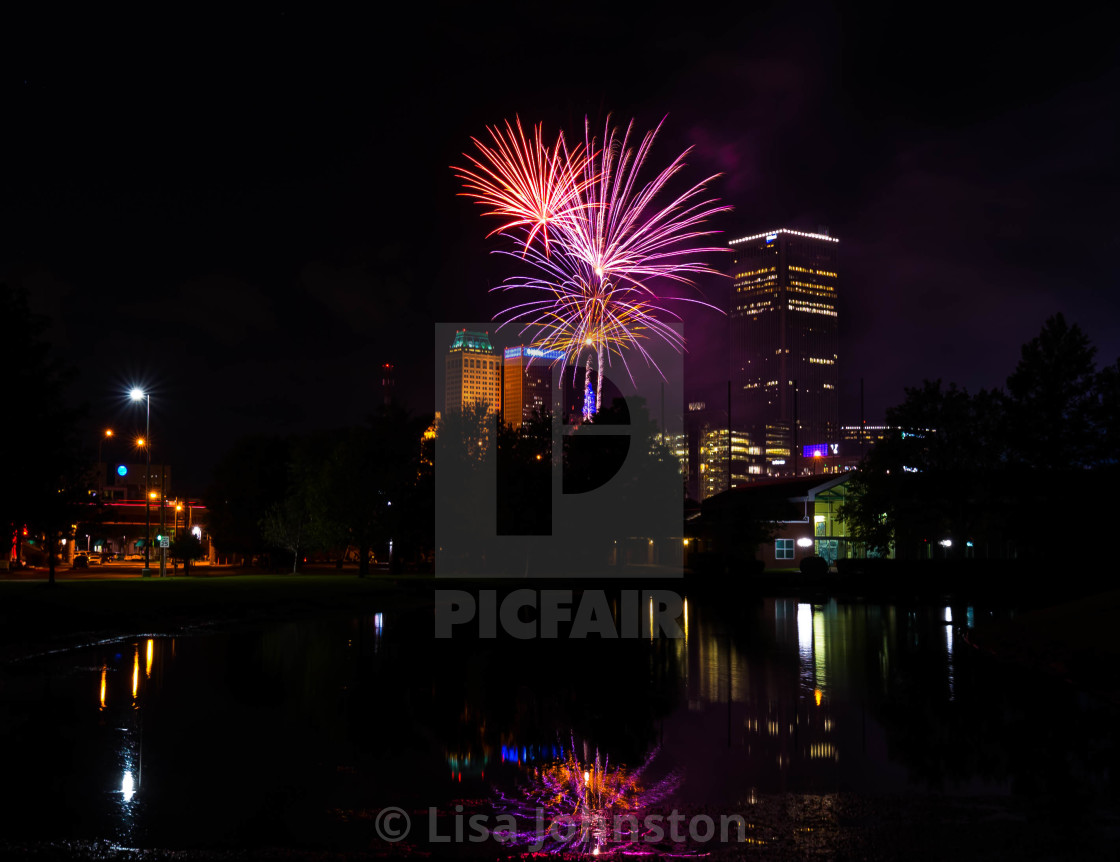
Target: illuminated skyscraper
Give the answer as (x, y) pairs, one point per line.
(784, 344)
(526, 383)
(473, 372)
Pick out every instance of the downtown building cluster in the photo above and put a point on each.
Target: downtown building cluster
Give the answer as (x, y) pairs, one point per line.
(515, 382)
(781, 414)
(780, 417)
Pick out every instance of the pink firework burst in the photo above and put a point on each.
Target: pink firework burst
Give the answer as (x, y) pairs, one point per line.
(523, 180)
(598, 237)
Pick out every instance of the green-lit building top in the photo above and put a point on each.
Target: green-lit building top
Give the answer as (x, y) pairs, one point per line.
(477, 342)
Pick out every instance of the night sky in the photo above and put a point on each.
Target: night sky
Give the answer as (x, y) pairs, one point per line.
(249, 213)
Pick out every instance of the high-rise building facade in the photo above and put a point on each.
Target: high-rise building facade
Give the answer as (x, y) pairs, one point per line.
(472, 372)
(784, 342)
(526, 383)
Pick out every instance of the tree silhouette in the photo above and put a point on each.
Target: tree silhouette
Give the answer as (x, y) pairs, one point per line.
(1001, 470)
(367, 485)
(47, 476)
(248, 481)
(1051, 399)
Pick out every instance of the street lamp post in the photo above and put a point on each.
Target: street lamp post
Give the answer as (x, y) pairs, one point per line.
(141, 395)
(100, 472)
(162, 519)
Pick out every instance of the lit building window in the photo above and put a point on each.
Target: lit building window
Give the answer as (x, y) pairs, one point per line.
(783, 549)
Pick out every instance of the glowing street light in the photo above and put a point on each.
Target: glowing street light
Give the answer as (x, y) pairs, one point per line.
(140, 395)
(100, 481)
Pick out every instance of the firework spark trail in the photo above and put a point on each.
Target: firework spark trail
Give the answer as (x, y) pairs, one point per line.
(609, 239)
(525, 181)
(619, 233)
(584, 313)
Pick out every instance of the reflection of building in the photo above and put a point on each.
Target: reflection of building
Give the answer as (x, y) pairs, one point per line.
(784, 340)
(774, 719)
(526, 383)
(473, 372)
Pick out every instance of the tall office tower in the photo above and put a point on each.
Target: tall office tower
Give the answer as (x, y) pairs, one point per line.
(784, 342)
(473, 372)
(526, 383)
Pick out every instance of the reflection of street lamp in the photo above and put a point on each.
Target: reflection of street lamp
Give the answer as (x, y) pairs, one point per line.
(141, 395)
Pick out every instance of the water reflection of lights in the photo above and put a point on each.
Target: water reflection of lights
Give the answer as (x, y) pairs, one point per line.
(136, 672)
(587, 798)
(148, 663)
(820, 642)
(823, 750)
(805, 634)
(530, 753)
(127, 788)
(104, 670)
(949, 652)
(812, 642)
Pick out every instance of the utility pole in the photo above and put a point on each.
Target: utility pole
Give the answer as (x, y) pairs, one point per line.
(796, 444)
(728, 435)
(162, 519)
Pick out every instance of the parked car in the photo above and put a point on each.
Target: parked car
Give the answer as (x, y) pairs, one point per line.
(80, 562)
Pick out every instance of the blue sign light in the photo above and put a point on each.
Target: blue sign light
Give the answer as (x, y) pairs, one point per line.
(817, 450)
(771, 238)
(534, 352)
(122, 470)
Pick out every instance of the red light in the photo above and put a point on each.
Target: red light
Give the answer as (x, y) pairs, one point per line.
(25, 531)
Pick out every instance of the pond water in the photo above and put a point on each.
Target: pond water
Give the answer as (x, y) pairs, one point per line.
(295, 734)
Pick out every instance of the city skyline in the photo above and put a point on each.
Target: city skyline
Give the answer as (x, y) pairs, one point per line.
(252, 237)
